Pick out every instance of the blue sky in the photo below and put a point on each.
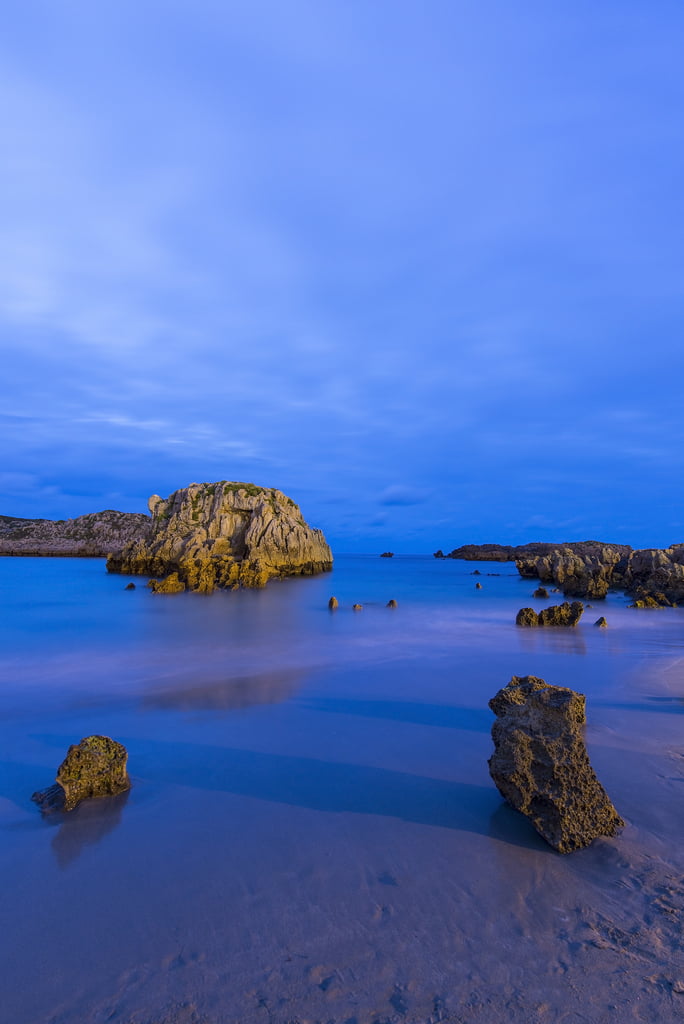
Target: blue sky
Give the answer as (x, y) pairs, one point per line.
(419, 265)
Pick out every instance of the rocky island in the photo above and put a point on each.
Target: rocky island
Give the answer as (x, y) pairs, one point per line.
(225, 534)
(95, 535)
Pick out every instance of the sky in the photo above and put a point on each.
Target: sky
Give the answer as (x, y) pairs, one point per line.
(418, 265)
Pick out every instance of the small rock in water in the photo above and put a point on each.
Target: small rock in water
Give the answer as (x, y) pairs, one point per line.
(357, 607)
(541, 592)
(478, 586)
(130, 586)
(333, 603)
(601, 623)
(541, 767)
(565, 614)
(94, 767)
(392, 603)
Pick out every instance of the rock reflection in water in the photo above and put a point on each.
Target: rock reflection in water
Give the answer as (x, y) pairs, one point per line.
(237, 692)
(86, 825)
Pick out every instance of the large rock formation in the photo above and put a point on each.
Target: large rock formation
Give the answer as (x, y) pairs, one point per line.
(94, 767)
(95, 535)
(225, 535)
(565, 614)
(541, 767)
(654, 576)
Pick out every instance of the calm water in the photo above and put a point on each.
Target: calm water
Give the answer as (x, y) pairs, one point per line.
(310, 792)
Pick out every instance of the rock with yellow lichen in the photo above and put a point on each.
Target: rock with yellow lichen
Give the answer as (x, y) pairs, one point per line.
(224, 534)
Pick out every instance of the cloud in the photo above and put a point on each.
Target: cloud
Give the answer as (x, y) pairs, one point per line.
(401, 494)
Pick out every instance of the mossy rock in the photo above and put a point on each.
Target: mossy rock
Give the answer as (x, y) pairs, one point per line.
(94, 767)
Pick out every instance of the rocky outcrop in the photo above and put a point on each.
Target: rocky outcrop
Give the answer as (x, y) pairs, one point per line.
(565, 614)
(497, 552)
(95, 535)
(94, 767)
(541, 767)
(541, 592)
(654, 576)
(225, 535)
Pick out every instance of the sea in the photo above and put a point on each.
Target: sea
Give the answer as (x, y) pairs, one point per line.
(312, 835)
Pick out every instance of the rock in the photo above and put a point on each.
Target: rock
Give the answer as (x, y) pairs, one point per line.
(541, 592)
(357, 607)
(171, 585)
(541, 767)
(387, 554)
(647, 601)
(439, 554)
(601, 623)
(94, 767)
(130, 586)
(333, 603)
(225, 535)
(94, 535)
(527, 617)
(392, 603)
(476, 572)
(565, 614)
(478, 586)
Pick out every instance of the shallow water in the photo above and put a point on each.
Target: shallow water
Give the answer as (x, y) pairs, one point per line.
(312, 833)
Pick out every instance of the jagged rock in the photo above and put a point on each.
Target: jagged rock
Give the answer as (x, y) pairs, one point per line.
(130, 586)
(333, 603)
(95, 535)
(601, 623)
(171, 585)
(94, 767)
(541, 767)
(439, 554)
(589, 568)
(387, 554)
(357, 607)
(478, 586)
(541, 592)
(392, 603)
(565, 614)
(225, 535)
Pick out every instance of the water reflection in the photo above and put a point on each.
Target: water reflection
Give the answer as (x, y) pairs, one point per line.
(86, 825)
(271, 687)
(560, 640)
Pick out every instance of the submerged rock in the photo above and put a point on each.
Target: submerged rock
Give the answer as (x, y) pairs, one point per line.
(565, 614)
(130, 586)
(387, 554)
(602, 622)
(478, 586)
(541, 767)
(392, 603)
(94, 767)
(357, 607)
(225, 535)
